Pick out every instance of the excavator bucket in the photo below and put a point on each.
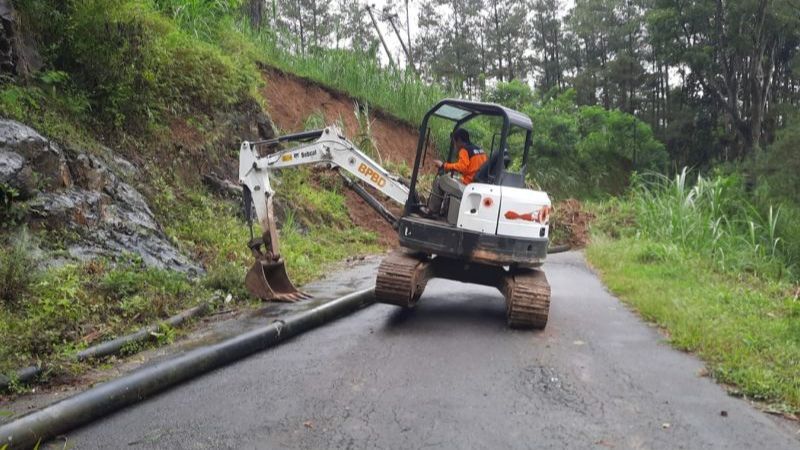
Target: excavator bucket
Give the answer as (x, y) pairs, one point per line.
(268, 280)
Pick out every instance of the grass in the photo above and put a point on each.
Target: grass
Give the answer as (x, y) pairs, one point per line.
(119, 72)
(715, 218)
(63, 308)
(48, 314)
(746, 329)
(700, 258)
(399, 93)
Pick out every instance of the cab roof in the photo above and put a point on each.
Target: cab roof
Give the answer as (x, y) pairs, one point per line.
(464, 110)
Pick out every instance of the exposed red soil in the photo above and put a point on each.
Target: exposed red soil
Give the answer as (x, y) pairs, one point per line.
(365, 217)
(291, 100)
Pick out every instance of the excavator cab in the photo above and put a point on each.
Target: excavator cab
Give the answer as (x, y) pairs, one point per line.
(495, 233)
(510, 139)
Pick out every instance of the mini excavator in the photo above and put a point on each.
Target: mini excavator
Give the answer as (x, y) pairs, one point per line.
(495, 234)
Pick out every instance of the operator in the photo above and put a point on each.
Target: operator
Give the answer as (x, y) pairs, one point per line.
(470, 160)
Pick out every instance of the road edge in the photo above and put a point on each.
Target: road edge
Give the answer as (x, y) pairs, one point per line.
(114, 395)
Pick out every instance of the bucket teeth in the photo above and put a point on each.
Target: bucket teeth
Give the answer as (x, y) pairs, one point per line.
(268, 281)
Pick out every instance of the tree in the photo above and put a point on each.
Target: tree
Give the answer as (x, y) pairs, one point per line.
(733, 49)
(507, 35)
(352, 26)
(546, 40)
(308, 21)
(593, 22)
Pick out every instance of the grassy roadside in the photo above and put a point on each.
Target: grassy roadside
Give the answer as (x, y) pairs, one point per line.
(746, 329)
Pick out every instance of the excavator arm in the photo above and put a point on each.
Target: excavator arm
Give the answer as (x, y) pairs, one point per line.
(267, 279)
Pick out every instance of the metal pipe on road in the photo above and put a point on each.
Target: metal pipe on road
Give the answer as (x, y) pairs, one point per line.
(106, 398)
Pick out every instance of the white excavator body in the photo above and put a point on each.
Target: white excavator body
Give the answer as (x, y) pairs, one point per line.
(495, 233)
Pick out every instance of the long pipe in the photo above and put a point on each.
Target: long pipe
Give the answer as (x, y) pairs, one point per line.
(111, 347)
(106, 398)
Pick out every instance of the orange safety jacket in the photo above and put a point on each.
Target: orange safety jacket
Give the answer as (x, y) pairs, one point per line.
(470, 160)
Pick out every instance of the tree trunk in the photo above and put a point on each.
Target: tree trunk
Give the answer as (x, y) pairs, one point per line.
(256, 13)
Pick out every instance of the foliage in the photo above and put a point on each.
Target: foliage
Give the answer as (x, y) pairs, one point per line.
(56, 110)
(777, 167)
(744, 41)
(316, 233)
(132, 63)
(363, 138)
(11, 213)
(399, 93)
(17, 269)
(581, 151)
(744, 328)
(101, 298)
(712, 217)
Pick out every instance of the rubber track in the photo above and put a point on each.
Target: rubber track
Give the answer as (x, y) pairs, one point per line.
(401, 279)
(527, 299)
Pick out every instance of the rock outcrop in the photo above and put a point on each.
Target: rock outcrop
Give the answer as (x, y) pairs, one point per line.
(86, 194)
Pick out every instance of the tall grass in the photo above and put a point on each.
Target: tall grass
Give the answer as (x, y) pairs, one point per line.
(713, 217)
(398, 92)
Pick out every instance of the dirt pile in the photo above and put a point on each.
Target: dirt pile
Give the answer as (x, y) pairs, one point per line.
(570, 223)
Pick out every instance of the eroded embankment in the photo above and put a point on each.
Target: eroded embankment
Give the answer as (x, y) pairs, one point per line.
(292, 100)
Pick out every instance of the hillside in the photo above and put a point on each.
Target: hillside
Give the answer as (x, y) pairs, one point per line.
(107, 220)
(295, 104)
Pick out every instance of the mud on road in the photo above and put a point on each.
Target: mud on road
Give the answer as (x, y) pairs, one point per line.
(450, 374)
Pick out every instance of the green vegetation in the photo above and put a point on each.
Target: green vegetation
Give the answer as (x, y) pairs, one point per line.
(711, 258)
(125, 66)
(17, 268)
(52, 312)
(120, 73)
(745, 328)
(714, 218)
(698, 258)
(314, 233)
(399, 93)
(581, 151)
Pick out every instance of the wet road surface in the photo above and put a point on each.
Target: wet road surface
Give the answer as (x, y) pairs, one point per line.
(449, 374)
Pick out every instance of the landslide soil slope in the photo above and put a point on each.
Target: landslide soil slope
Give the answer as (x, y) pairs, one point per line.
(291, 100)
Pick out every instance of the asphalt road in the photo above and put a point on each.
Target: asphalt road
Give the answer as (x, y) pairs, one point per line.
(451, 375)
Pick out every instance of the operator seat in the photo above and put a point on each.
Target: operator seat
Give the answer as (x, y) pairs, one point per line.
(489, 167)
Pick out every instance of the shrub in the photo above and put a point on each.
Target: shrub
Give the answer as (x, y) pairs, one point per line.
(134, 63)
(714, 217)
(18, 270)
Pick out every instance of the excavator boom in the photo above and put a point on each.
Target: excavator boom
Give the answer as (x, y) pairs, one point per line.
(267, 279)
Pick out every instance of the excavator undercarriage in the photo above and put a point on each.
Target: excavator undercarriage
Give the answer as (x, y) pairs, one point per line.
(403, 275)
